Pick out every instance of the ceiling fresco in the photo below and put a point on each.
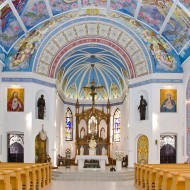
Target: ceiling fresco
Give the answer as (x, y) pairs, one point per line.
(99, 3)
(35, 11)
(92, 62)
(128, 6)
(60, 6)
(186, 3)
(149, 36)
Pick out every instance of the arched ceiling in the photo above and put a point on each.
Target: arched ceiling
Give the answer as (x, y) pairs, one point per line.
(45, 36)
(93, 62)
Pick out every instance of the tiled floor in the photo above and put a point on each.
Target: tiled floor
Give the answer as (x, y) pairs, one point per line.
(91, 185)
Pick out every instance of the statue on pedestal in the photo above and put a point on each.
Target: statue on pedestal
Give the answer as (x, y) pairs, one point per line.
(92, 145)
(142, 108)
(41, 107)
(81, 150)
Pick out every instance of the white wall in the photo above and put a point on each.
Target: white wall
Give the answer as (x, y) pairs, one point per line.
(156, 123)
(26, 121)
(131, 127)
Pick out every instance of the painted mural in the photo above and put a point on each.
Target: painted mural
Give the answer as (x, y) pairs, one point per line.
(125, 6)
(2, 55)
(186, 3)
(154, 13)
(34, 13)
(164, 58)
(21, 55)
(101, 3)
(7, 15)
(168, 100)
(184, 54)
(178, 34)
(10, 27)
(15, 99)
(60, 6)
(2, 1)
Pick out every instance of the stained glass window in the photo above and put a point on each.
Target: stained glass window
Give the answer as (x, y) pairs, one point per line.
(116, 126)
(69, 125)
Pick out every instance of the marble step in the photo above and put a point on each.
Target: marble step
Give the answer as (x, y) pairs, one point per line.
(92, 176)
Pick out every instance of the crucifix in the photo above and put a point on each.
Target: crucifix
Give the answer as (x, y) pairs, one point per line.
(93, 91)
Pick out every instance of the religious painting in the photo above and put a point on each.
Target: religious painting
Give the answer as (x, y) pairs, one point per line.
(15, 99)
(168, 100)
(142, 150)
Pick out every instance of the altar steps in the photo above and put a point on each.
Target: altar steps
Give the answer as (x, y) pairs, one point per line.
(92, 175)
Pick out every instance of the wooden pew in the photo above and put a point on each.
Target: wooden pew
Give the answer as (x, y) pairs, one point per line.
(159, 177)
(32, 175)
(5, 182)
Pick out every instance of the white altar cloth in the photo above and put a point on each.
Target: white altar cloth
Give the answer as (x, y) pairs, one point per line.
(81, 158)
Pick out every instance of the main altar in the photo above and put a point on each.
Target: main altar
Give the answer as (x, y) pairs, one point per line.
(93, 126)
(85, 160)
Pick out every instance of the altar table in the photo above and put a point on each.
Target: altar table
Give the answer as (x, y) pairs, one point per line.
(103, 160)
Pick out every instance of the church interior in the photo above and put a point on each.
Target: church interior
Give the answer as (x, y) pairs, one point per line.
(95, 84)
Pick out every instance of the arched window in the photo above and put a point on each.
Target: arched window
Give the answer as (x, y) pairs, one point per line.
(116, 126)
(69, 125)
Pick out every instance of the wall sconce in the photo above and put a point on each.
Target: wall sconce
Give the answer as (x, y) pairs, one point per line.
(156, 142)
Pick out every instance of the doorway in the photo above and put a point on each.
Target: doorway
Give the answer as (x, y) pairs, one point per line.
(168, 149)
(15, 147)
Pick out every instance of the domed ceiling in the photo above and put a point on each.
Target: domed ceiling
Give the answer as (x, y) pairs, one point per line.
(108, 41)
(93, 62)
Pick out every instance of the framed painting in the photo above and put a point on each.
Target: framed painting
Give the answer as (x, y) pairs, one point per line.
(168, 100)
(15, 99)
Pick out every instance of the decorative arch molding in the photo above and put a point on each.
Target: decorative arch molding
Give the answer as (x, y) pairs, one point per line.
(57, 61)
(92, 27)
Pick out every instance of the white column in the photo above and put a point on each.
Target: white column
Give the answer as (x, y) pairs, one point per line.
(54, 159)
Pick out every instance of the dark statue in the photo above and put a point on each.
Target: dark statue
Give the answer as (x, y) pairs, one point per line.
(41, 107)
(142, 108)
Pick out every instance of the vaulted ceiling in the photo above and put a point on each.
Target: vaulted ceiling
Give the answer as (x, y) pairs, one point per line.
(122, 39)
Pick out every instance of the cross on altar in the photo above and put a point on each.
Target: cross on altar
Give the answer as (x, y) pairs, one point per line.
(93, 89)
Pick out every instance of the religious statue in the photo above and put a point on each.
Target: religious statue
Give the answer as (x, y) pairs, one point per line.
(102, 133)
(41, 107)
(81, 150)
(92, 143)
(82, 133)
(142, 108)
(104, 151)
